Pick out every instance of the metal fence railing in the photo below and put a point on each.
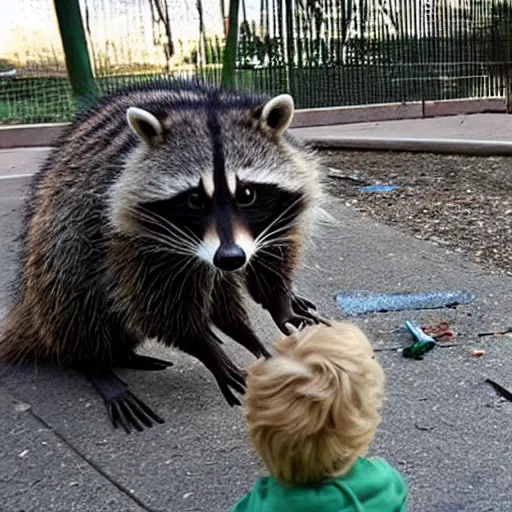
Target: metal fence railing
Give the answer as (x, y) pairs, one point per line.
(324, 52)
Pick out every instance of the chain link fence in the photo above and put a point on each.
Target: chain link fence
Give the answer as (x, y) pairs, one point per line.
(324, 52)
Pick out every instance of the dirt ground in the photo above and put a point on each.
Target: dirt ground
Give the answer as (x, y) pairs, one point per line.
(462, 203)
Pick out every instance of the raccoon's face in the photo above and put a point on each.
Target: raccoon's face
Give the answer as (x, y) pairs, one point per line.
(223, 185)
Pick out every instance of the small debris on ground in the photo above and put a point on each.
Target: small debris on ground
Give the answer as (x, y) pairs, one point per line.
(495, 333)
(21, 407)
(440, 332)
(425, 428)
(423, 342)
(478, 353)
(502, 391)
(336, 173)
(378, 188)
(460, 203)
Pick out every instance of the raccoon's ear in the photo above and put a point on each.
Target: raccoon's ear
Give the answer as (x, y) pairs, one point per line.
(277, 114)
(144, 124)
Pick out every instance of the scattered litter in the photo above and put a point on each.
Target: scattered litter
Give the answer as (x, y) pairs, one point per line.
(496, 333)
(378, 188)
(336, 173)
(73, 484)
(425, 428)
(187, 495)
(359, 302)
(21, 407)
(478, 353)
(440, 332)
(504, 392)
(23, 453)
(423, 344)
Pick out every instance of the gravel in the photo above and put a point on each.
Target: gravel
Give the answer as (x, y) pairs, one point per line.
(462, 203)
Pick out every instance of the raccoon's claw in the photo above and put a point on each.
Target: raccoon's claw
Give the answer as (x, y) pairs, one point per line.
(303, 307)
(123, 407)
(294, 310)
(135, 361)
(302, 303)
(235, 380)
(129, 411)
(228, 376)
(298, 322)
(282, 311)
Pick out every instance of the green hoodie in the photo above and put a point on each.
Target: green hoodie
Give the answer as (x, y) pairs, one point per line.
(371, 485)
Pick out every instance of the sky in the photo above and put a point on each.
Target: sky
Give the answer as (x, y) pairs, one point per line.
(30, 26)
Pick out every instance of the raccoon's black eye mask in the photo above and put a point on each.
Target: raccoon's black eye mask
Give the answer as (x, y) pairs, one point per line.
(273, 205)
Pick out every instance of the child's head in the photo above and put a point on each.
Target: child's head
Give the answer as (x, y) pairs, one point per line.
(313, 408)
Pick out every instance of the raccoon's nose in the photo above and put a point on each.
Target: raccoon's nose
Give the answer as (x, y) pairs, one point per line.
(229, 257)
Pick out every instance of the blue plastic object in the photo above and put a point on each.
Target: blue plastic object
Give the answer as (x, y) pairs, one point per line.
(359, 302)
(378, 188)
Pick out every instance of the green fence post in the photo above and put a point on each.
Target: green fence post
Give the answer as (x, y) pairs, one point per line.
(229, 61)
(75, 48)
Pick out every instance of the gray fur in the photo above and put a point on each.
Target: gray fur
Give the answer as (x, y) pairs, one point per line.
(93, 282)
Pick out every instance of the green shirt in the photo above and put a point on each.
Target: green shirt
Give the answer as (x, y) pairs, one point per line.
(371, 485)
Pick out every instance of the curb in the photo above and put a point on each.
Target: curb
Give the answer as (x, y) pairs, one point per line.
(448, 146)
(454, 146)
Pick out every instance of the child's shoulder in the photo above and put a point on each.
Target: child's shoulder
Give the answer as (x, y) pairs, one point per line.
(376, 464)
(375, 468)
(376, 483)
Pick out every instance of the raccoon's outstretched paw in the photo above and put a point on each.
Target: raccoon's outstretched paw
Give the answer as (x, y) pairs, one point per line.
(124, 408)
(283, 312)
(296, 323)
(302, 303)
(135, 361)
(228, 375)
(306, 308)
(235, 379)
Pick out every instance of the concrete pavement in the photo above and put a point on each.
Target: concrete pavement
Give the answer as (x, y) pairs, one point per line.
(476, 134)
(443, 427)
(490, 127)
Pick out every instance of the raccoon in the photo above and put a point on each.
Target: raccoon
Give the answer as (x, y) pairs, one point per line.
(153, 215)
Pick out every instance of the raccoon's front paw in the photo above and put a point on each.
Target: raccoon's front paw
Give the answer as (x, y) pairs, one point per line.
(233, 379)
(306, 308)
(301, 305)
(293, 310)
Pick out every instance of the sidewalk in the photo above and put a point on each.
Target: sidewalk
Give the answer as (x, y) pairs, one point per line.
(466, 127)
(444, 428)
(475, 134)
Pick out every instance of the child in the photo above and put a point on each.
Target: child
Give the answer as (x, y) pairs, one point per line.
(312, 412)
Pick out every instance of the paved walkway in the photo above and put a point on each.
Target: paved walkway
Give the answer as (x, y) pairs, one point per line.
(489, 127)
(443, 427)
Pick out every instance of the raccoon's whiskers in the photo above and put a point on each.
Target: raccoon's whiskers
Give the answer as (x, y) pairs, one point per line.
(278, 257)
(277, 219)
(257, 275)
(195, 264)
(166, 243)
(274, 239)
(180, 245)
(269, 266)
(167, 225)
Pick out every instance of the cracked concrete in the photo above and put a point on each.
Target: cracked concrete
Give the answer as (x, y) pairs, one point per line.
(444, 428)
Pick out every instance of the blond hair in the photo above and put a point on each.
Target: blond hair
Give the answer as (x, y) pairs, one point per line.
(313, 408)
